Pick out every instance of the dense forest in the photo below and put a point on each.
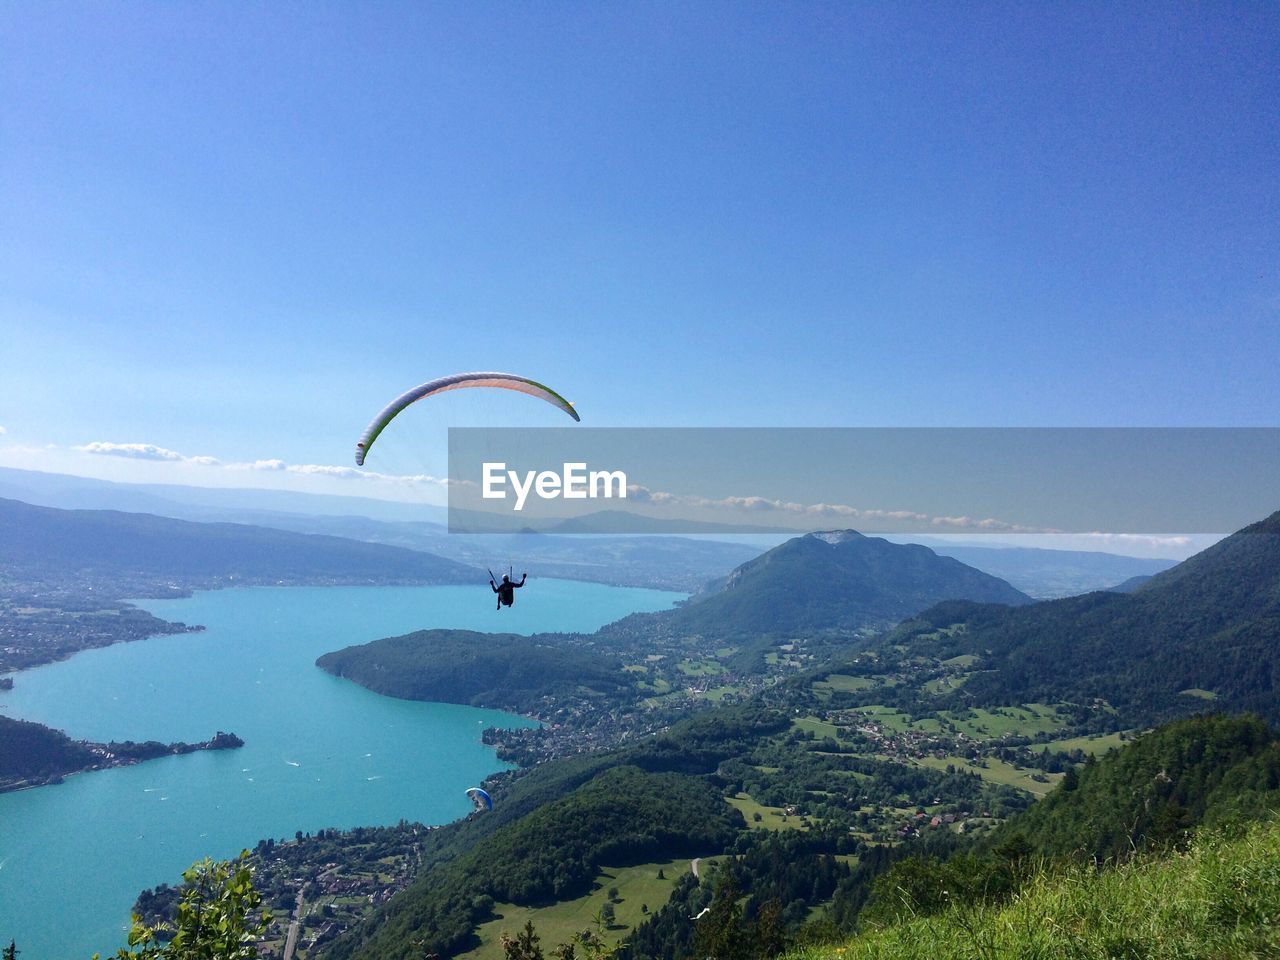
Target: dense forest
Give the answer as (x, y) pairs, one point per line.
(463, 666)
(32, 750)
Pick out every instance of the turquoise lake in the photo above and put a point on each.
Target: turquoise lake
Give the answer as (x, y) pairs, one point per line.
(319, 752)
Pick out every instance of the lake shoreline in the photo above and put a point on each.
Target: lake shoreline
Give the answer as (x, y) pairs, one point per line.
(320, 753)
(110, 757)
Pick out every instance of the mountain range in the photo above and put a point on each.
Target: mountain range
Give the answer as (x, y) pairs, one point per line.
(1206, 632)
(42, 540)
(836, 581)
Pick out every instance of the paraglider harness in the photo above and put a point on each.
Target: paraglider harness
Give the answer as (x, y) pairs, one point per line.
(507, 590)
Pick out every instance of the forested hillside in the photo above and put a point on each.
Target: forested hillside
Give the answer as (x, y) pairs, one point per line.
(1213, 768)
(32, 750)
(1205, 633)
(836, 581)
(553, 830)
(463, 666)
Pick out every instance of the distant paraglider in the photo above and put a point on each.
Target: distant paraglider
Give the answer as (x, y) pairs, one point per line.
(459, 381)
(481, 799)
(506, 590)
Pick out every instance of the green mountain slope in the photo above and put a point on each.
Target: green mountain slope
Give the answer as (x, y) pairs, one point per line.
(1208, 627)
(485, 669)
(564, 817)
(1157, 787)
(838, 581)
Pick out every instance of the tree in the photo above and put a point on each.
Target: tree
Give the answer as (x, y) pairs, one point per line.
(214, 917)
(1070, 780)
(718, 935)
(10, 952)
(593, 942)
(523, 946)
(769, 931)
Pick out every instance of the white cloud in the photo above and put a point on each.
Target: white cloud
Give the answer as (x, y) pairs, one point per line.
(841, 511)
(258, 465)
(986, 525)
(3, 431)
(135, 451)
(149, 451)
(1139, 539)
(340, 473)
(349, 473)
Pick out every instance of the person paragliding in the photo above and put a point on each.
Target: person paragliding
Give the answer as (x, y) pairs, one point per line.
(462, 381)
(506, 590)
(481, 799)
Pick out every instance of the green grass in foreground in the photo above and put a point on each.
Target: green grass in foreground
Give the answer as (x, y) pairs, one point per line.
(1218, 901)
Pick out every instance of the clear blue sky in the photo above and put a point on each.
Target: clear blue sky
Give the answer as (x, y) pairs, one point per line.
(235, 230)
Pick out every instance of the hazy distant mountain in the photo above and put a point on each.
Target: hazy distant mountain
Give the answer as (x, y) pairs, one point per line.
(1048, 574)
(43, 539)
(198, 503)
(670, 563)
(1204, 633)
(598, 522)
(839, 580)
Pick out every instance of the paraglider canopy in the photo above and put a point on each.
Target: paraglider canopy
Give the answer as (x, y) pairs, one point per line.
(459, 381)
(480, 798)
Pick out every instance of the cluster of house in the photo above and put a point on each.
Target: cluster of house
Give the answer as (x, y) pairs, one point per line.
(924, 821)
